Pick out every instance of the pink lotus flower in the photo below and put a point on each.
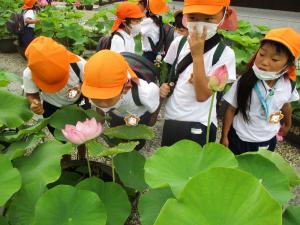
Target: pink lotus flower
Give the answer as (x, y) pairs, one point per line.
(218, 79)
(77, 3)
(83, 131)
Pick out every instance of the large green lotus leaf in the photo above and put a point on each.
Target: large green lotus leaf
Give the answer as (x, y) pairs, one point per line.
(130, 168)
(66, 205)
(3, 221)
(10, 179)
(266, 171)
(17, 149)
(97, 149)
(291, 215)
(67, 178)
(35, 128)
(43, 165)
(9, 77)
(222, 196)
(283, 166)
(151, 202)
(113, 196)
(14, 109)
(173, 166)
(67, 115)
(130, 132)
(21, 210)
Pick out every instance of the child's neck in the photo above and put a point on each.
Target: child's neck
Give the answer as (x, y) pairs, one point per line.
(271, 83)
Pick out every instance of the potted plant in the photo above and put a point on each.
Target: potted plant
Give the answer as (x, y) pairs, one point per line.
(78, 5)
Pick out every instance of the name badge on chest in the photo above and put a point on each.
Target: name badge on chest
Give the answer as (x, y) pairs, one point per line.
(276, 117)
(73, 93)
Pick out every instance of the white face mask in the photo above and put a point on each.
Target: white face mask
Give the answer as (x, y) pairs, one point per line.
(211, 27)
(267, 75)
(107, 109)
(135, 29)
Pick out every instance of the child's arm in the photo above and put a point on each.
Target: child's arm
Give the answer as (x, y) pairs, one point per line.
(227, 122)
(31, 21)
(199, 78)
(35, 103)
(286, 122)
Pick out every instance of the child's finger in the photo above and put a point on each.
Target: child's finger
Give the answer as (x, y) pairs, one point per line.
(204, 33)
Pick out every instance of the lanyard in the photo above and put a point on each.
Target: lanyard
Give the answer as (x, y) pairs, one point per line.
(264, 101)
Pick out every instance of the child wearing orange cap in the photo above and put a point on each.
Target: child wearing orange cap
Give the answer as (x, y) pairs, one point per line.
(259, 102)
(187, 107)
(53, 77)
(30, 20)
(151, 27)
(108, 83)
(126, 27)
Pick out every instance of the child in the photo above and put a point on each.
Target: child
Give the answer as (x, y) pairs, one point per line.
(53, 77)
(126, 27)
(151, 28)
(259, 102)
(179, 28)
(30, 20)
(108, 84)
(188, 106)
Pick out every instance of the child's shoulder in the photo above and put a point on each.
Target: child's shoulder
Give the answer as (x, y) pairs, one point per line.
(27, 73)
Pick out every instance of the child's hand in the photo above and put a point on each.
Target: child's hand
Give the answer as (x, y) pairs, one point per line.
(37, 107)
(164, 90)
(196, 41)
(284, 129)
(37, 20)
(224, 141)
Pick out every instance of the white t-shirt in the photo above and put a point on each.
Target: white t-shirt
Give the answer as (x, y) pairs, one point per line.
(182, 105)
(118, 44)
(259, 129)
(149, 97)
(59, 98)
(149, 30)
(29, 14)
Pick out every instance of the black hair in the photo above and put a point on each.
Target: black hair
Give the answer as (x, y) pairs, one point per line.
(144, 3)
(248, 80)
(127, 21)
(178, 20)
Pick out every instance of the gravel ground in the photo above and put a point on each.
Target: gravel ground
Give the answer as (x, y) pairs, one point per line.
(15, 63)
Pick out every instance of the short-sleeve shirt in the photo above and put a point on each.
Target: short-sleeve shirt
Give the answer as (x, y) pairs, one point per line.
(259, 129)
(149, 30)
(149, 97)
(125, 44)
(59, 98)
(29, 14)
(182, 105)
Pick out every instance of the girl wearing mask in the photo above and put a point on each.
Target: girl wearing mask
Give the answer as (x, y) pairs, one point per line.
(188, 106)
(126, 27)
(259, 102)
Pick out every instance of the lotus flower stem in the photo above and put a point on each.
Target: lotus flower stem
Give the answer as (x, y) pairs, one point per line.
(113, 169)
(88, 163)
(209, 116)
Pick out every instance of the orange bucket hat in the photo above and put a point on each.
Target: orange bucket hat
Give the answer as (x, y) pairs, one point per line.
(289, 38)
(158, 6)
(207, 7)
(49, 63)
(105, 74)
(28, 4)
(126, 10)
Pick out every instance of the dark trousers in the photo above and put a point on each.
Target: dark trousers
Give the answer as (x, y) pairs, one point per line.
(117, 121)
(175, 131)
(238, 146)
(151, 56)
(27, 37)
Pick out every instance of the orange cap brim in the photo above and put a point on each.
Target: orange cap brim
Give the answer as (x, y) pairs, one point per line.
(282, 42)
(105, 92)
(204, 9)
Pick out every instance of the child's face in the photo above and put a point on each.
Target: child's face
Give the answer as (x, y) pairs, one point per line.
(268, 59)
(135, 21)
(199, 17)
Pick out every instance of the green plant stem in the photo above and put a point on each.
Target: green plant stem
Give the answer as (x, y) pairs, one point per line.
(88, 163)
(209, 116)
(113, 169)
